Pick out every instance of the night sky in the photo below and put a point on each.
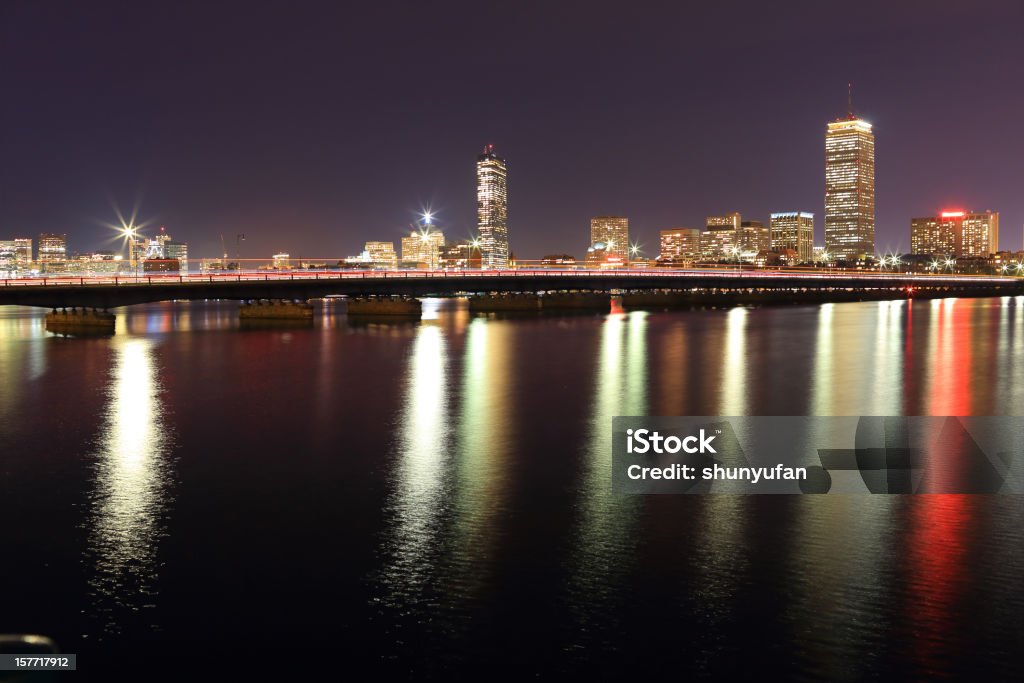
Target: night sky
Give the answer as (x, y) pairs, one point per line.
(314, 127)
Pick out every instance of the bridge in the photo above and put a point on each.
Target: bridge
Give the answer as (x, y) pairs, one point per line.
(104, 292)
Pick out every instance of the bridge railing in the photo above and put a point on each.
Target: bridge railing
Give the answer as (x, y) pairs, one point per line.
(248, 276)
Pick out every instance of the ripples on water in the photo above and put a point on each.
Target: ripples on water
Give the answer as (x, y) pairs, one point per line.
(435, 495)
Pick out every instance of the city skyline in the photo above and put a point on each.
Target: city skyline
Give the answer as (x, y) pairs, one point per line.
(206, 162)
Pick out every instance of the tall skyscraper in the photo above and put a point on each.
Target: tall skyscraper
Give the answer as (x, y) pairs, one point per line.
(492, 209)
(613, 233)
(850, 188)
(794, 230)
(52, 247)
(956, 233)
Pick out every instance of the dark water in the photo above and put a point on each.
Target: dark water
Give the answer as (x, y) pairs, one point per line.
(434, 498)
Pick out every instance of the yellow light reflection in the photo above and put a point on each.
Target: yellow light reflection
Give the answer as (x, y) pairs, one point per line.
(484, 444)
(823, 389)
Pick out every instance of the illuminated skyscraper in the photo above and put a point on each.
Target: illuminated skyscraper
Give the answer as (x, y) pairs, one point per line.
(613, 233)
(52, 247)
(850, 189)
(794, 230)
(956, 233)
(492, 209)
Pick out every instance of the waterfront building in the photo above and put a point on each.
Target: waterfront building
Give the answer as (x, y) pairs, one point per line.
(599, 255)
(382, 254)
(678, 246)
(613, 233)
(177, 251)
(793, 230)
(960, 234)
(422, 249)
(717, 245)
(461, 256)
(752, 237)
(52, 247)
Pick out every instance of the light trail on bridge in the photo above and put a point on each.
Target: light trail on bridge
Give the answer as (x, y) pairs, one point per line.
(674, 274)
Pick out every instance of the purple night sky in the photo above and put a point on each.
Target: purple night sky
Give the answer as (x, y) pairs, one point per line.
(313, 127)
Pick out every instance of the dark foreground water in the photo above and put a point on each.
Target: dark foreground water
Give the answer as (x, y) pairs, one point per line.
(434, 498)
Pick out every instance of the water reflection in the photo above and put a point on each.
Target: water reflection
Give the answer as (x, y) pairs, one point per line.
(735, 365)
(606, 539)
(22, 357)
(421, 487)
(131, 493)
(485, 442)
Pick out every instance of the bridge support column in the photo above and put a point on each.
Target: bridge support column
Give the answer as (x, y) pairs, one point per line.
(576, 301)
(80, 321)
(384, 306)
(504, 303)
(276, 310)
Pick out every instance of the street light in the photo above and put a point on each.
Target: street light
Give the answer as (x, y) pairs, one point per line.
(240, 237)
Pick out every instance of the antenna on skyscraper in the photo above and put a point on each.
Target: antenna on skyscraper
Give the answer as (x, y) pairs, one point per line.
(849, 99)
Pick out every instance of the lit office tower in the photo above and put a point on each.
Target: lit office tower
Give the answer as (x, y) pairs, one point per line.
(52, 247)
(794, 230)
(22, 251)
(729, 221)
(613, 232)
(721, 236)
(422, 248)
(679, 245)
(753, 237)
(979, 233)
(382, 254)
(177, 251)
(956, 233)
(492, 209)
(850, 189)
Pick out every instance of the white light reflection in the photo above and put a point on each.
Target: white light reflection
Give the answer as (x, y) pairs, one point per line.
(419, 500)
(485, 441)
(734, 365)
(130, 497)
(606, 538)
